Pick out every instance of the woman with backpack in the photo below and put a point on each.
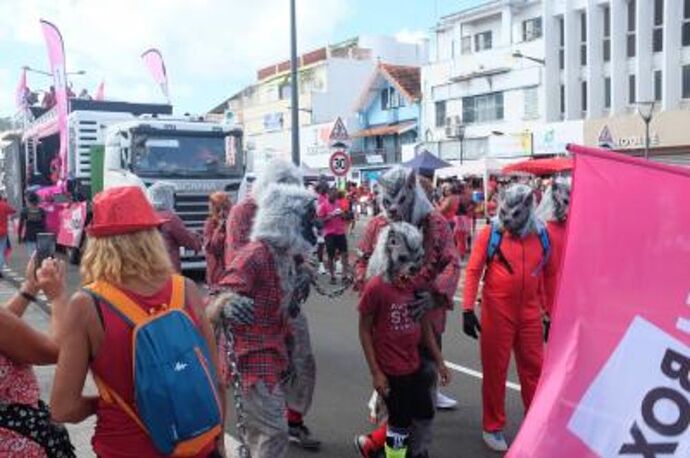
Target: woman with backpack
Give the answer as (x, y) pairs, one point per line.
(214, 237)
(158, 390)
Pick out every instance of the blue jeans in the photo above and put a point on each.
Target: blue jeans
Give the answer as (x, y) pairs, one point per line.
(3, 245)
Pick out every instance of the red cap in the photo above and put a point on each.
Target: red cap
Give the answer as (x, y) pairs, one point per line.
(122, 210)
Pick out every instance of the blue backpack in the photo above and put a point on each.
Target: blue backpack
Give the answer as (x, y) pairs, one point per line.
(176, 397)
(494, 246)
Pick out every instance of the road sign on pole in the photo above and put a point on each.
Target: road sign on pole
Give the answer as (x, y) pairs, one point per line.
(339, 133)
(339, 163)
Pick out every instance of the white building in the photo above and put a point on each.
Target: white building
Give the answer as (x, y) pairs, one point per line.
(480, 96)
(331, 81)
(613, 54)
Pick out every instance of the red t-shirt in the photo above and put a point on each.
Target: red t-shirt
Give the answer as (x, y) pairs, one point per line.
(6, 211)
(335, 225)
(396, 335)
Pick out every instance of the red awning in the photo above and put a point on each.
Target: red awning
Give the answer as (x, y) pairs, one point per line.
(540, 166)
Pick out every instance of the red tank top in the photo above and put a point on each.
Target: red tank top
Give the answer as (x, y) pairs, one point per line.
(117, 435)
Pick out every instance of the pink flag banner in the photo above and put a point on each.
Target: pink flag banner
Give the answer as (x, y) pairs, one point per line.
(153, 59)
(20, 93)
(616, 376)
(100, 92)
(56, 56)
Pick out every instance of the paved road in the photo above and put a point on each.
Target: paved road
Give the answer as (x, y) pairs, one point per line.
(343, 386)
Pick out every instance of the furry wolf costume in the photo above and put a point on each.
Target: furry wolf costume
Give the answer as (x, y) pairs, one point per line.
(402, 199)
(258, 303)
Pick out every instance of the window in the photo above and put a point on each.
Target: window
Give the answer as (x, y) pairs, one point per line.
(607, 34)
(379, 142)
(583, 88)
(452, 49)
(285, 91)
(466, 45)
(561, 48)
(686, 81)
(482, 41)
(607, 92)
(531, 103)
(385, 103)
(657, 85)
(531, 29)
(482, 108)
(390, 98)
(562, 99)
(686, 23)
(658, 32)
(631, 89)
(441, 113)
(631, 29)
(583, 39)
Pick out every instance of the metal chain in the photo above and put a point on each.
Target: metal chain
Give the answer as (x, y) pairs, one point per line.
(347, 282)
(236, 378)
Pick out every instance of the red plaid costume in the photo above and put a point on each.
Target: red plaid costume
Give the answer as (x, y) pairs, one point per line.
(260, 348)
(239, 228)
(440, 272)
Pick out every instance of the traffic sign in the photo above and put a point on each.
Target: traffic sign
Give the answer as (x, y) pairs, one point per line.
(339, 163)
(339, 132)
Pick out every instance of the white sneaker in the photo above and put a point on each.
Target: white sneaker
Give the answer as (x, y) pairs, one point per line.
(443, 402)
(495, 441)
(322, 269)
(339, 268)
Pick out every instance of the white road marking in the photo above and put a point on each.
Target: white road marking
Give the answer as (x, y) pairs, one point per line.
(477, 374)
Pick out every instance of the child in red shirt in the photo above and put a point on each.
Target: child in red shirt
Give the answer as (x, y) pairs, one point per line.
(391, 337)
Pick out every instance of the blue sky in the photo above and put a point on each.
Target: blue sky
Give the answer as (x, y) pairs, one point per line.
(212, 48)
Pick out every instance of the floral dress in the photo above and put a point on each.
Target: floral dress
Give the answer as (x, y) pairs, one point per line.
(26, 430)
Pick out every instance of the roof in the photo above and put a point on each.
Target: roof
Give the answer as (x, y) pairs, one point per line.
(407, 80)
(386, 130)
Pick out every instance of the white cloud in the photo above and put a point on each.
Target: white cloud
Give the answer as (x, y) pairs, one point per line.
(411, 36)
(211, 47)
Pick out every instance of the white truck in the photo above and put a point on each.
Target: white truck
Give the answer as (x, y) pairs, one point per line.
(117, 143)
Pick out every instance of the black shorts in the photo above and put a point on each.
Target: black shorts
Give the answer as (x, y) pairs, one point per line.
(336, 243)
(410, 398)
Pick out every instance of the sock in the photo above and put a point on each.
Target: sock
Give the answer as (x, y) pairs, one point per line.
(378, 436)
(396, 442)
(294, 418)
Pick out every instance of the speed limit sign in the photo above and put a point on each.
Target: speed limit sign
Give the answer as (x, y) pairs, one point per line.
(339, 163)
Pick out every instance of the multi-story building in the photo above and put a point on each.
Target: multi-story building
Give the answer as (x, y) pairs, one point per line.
(388, 111)
(330, 81)
(612, 59)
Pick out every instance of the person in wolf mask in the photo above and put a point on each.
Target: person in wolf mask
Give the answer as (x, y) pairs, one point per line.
(402, 199)
(260, 293)
(553, 210)
(391, 337)
(512, 254)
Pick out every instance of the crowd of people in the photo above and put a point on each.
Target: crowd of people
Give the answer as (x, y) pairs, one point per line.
(163, 352)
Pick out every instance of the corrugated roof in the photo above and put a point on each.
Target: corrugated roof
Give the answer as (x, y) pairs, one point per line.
(406, 79)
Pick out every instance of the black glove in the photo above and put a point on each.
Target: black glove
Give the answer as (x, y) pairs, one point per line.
(424, 301)
(470, 324)
(546, 321)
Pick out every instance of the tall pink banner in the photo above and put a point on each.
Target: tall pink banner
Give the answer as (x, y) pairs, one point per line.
(100, 92)
(153, 59)
(56, 56)
(616, 377)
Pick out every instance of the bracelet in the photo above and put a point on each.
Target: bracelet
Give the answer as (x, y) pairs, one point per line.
(27, 296)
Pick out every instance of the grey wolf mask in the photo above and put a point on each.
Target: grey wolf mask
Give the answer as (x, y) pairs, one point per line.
(286, 218)
(401, 196)
(277, 171)
(516, 210)
(161, 194)
(555, 204)
(399, 251)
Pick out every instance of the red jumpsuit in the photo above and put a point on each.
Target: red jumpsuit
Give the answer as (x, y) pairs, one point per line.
(510, 317)
(556, 231)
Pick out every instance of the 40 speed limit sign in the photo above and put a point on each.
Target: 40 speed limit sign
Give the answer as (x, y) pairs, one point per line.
(339, 163)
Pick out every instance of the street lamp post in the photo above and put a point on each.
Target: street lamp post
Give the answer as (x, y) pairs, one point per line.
(294, 85)
(461, 136)
(646, 112)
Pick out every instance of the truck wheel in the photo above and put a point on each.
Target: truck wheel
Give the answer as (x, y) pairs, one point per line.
(74, 256)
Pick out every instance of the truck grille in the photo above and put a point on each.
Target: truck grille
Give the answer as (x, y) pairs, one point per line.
(192, 208)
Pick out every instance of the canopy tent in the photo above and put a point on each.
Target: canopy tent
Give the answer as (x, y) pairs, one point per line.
(478, 168)
(426, 163)
(545, 166)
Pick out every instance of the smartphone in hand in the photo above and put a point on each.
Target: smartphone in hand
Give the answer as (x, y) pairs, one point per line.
(45, 247)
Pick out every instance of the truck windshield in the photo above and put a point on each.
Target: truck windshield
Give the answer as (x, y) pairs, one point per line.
(182, 155)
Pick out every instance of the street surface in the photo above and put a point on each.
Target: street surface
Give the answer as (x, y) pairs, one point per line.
(343, 385)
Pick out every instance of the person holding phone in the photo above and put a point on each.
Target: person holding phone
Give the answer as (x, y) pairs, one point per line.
(214, 237)
(32, 220)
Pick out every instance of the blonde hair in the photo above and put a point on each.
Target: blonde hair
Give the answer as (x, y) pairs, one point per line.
(120, 258)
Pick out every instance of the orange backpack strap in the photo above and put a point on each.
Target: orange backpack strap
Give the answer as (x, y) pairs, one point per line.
(109, 396)
(119, 301)
(177, 297)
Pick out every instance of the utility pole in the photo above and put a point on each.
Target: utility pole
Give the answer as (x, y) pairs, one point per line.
(294, 85)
